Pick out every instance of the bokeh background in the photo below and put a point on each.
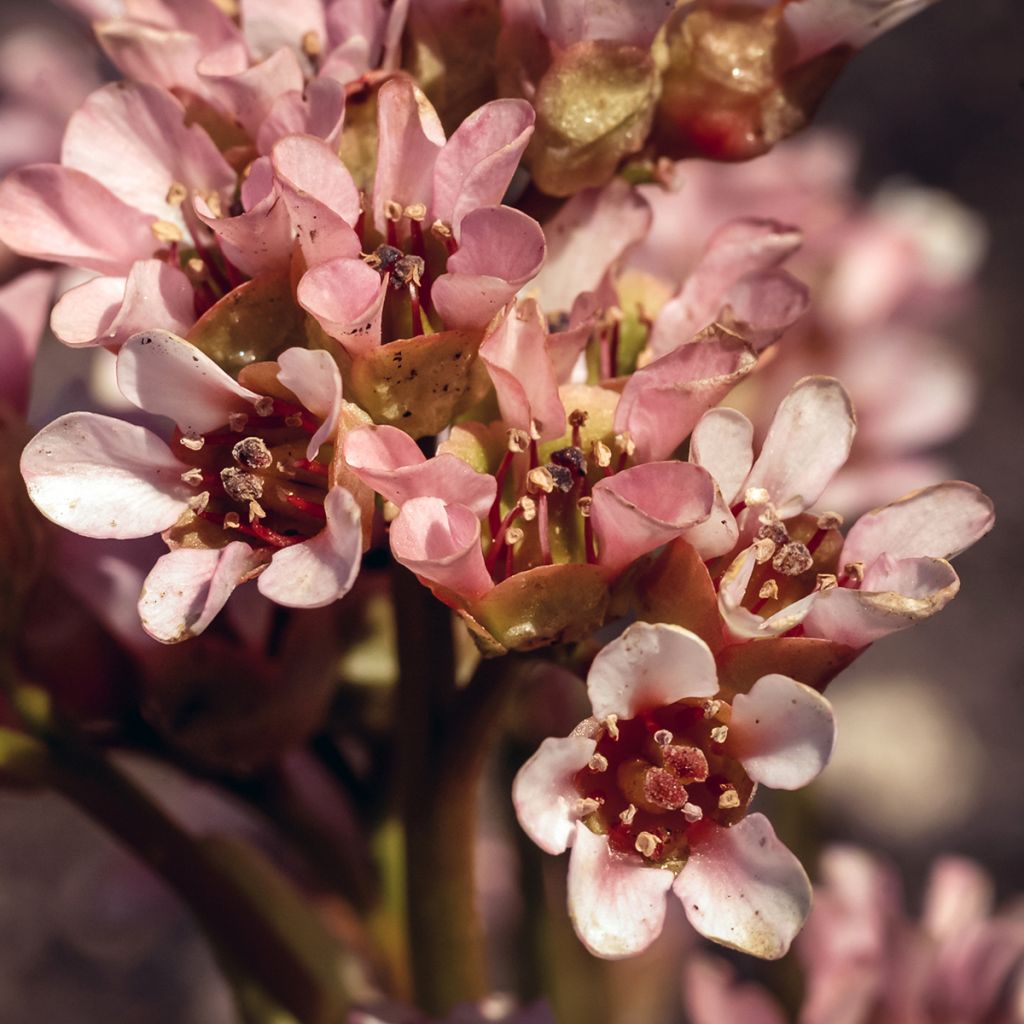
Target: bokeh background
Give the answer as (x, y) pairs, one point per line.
(931, 751)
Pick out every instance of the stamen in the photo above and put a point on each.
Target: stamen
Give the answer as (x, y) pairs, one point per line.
(264, 406)
(416, 211)
(240, 485)
(393, 210)
(793, 559)
(854, 571)
(577, 420)
(598, 763)
(253, 453)
(198, 502)
(193, 477)
(728, 798)
(611, 724)
(165, 231)
(692, 813)
(769, 591)
(826, 581)
(711, 708)
(518, 441)
(719, 734)
(601, 454)
(540, 481)
(312, 46)
(256, 511)
(627, 816)
(293, 420)
(663, 737)
(237, 421)
(756, 496)
(647, 844)
(176, 194)
(232, 521)
(764, 549)
(830, 521)
(194, 443)
(587, 805)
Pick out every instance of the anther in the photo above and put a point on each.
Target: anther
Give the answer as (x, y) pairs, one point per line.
(756, 496)
(773, 531)
(513, 535)
(855, 571)
(764, 549)
(441, 230)
(416, 211)
(692, 813)
(237, 421)
(587, 805)
(409, 269)
(719, 734)
(312, 46)
(264, 406)
(529, 507)
(647, 844)
(165, 231)
(663, 737)
(253, 453)
(601, 454)
(232, 521)
(627, 816)
(199, 502)
(769, 591)
(293, 420)
(240, 485)
(625, 444)
(711, 708)
(540, 480)
(393, 210)
(578, 418)
(570, 458)
(256, 511)
(826, 581)
(611, 723)
(518, 441)
(585, 504)
(792, 559)
(193, 477)
(193, 442)
(830, 521)
(598, 763)
(176, 194)
(562, 477)
(213, 202)
(728, 798)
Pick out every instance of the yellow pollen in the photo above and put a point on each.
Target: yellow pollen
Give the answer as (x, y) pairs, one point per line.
(719, 733)
(769, 590)
(611, 723)
(311, 44)
(540, 479)
(193, 444)
(417, 212)
(165, 231)
(647, 844)
(728, 799)
(176, 194)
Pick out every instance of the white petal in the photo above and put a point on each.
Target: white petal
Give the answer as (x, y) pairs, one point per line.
(722, 442)
(313, 377)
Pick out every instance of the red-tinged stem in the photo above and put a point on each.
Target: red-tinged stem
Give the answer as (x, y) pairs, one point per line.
(498, 540)
(542, 528)
(310, 508)
(415, 310)
(312, 466)
(392, 233)
(613, 350)
(494, 515)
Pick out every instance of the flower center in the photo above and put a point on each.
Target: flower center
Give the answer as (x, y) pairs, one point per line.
(252, 476)
(654, 777)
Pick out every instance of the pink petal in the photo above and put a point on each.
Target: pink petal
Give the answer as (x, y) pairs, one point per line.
(626, 21)
(820, 25)
(712, 995)
(617, 903)
(250, 94)
(959, 895)
(497, 241)
(808, 441)
(313, 377)
(109, 310)
(164, 374)
(441, 543)
(322, 199)
(103, 477)
(470, 301)
(722, 442)
(543, 793)
(347, 299)
(24, 302)
(742, 888)
(410, 137)
(522, 374)
(761, 306)
(319, 111)
(662, 403)
(939, 522)
(718, 534)
(145, 127)
(736, 250)
(649, 666)
(587, 237)
(56, 213)
(782, 732)
(188, 587)
(478, 161)
(389, 460)
(320, 570)
(269, 25)
(641, 508)
(895, 594)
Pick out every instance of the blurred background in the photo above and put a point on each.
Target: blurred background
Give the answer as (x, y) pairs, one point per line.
(930, 755)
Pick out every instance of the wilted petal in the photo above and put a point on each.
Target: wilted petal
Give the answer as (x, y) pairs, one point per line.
(320, 570)
(56, 213)
(662, 403)
(24, 302)
(939, 522)
(722, 442)
(410, 137)
(188, 587)
(641, 508)
(390, 461)
(109, 310)
(742, 888)
(587, 236)
(319, 111)
(895, 594)
(543, 793)
(132, 138)
(102, 477)
(782, 732)
(441, 543)
(347, 299)
(648, 666)
(313, 377)
(524, 379)
(168, 376)
(808, 441)
(478, 161)
(616, 902)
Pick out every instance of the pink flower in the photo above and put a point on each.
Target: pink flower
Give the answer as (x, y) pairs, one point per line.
(651, 794)
(244, 463)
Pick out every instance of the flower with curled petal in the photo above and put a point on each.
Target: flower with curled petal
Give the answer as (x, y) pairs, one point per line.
(245, 462)
(652, 793)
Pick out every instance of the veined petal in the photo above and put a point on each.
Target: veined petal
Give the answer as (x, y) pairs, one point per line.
(742, 888)
(319, 111)
(24, 302)
(478, 161)
(60, 214)
(516, 356)
(648, 666)
(498, 241)
(320, 570)
(895, 594)
(722, 442)
(347, 299)
(617, 903)
(543, 793)
(782, 732)
(187, 587)
(441, 543)
(662, 403)
(132, 138)
(641, 508)
(389, 460)
(313, 377)
(102, 477)
(470, 301)
(939, 522)
(109, 310)
(166, 375)
(808, 441)
(410, 138)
